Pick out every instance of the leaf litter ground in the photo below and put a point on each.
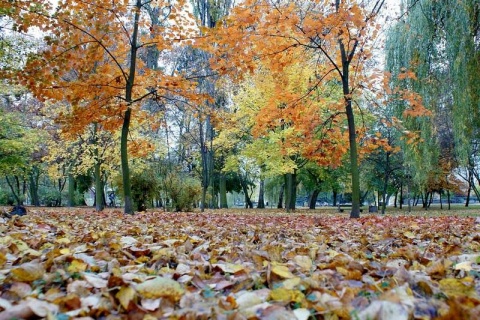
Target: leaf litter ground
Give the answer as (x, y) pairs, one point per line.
(68, 264)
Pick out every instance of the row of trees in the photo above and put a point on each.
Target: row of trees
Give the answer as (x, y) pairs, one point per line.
(196, 99)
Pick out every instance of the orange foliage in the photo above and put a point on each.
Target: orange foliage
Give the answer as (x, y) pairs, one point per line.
(86, 61)
(158, 265)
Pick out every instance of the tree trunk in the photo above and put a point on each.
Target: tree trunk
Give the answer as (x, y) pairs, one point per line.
(15, 188)
(71, 190)
(204, 177)
(467, 201)
(293, 190)
(248, 201)
(223, 191)
(313, 199)
(448, 199)
(286, 183)
(401, 196)
(261, 195)
(99, 199)
(127, 187)
(280, 197)
(33, 178)
(335, 196)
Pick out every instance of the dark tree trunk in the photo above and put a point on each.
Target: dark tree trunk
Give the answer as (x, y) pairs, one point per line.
(280, 197)
(401, 196)
(15, 188)
(248, 201)
(223, 191)
(33, 178)
(467, 201)
(313, 199)
(292, 186)
(71, 190)
(448, 199)
(286, 183)
(261, 195)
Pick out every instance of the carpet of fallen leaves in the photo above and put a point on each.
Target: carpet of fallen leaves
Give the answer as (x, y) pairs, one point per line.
(238, 265)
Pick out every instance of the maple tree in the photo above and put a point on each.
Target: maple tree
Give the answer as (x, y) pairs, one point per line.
(339, 34)
(94, 59)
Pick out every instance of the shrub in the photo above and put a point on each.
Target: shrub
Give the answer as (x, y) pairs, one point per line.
(183, 190)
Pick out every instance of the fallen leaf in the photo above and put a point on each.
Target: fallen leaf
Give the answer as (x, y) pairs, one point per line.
(304, 262)
(28, 272)
(160, 287)
(125, 295)
(282, 271)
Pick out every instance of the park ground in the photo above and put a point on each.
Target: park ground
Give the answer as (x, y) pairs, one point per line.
(240, 264)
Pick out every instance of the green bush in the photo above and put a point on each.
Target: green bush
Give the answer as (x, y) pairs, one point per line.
(145, 188)
(183, 190)
(6, 198)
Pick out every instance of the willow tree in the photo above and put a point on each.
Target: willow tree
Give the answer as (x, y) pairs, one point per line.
(438, 41)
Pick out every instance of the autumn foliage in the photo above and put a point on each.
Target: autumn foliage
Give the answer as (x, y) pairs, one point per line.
(162, 265)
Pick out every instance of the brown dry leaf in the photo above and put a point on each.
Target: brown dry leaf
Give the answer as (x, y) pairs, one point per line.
(3, 259)
(160, 287)
(28, 272)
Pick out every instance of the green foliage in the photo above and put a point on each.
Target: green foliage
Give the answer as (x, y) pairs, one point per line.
(6, 197)
(14, 151)
(183, 190)
(145, 187)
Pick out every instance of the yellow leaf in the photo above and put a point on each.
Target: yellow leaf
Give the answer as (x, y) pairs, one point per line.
(304, 262)
(160, 287)
(291, 283)
(409, 235)
(28, 272)
(286, 295)
(65, 251)
(63, 241)
(282, 271)
(77, 266)
(457, 287)
(21, 246)
(125, 295)
(229, 267)
(3, 259)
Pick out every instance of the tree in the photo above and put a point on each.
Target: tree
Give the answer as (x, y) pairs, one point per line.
(93, 60)
(438, 40)
(340, 35)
